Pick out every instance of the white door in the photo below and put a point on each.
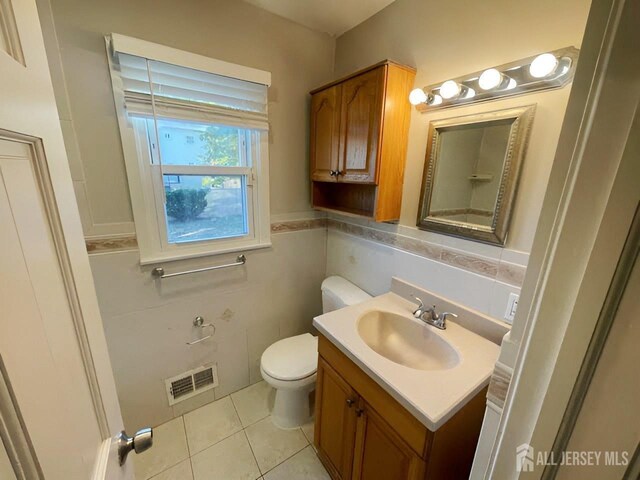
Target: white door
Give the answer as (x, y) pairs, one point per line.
(59, 414)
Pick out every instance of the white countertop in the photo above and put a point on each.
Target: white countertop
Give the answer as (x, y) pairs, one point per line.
(432, 396)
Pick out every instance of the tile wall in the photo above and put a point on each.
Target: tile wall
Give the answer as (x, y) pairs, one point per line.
(148, 322)
(476, 275)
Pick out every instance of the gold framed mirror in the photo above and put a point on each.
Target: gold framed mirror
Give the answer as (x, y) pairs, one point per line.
(471, 173)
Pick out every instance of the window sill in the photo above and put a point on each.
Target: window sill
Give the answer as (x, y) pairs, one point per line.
(174, 256)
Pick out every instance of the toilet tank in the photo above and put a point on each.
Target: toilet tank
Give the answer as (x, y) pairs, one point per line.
(338, 292)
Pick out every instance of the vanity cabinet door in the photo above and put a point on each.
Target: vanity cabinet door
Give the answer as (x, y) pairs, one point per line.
(360, 123)
(324, 140)
(335, 427)
(380, 452)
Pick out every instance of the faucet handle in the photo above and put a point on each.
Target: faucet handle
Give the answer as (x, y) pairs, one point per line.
(417, 313)
(444, 315)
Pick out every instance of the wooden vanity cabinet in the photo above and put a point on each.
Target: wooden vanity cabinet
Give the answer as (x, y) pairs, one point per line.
(362, 433)
(335, 431)
(380, 451)
(358, 141)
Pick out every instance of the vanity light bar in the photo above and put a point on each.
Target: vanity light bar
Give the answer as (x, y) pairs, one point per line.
(539, 72)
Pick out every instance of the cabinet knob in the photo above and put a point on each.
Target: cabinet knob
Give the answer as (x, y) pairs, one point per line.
(332, 173)
(350, 402)
(359, 412)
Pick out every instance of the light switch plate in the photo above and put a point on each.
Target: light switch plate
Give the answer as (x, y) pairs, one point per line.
(512, 305)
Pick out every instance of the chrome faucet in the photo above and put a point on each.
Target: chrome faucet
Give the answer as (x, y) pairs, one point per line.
(429, 315)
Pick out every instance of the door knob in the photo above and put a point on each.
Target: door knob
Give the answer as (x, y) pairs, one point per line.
(140, 442)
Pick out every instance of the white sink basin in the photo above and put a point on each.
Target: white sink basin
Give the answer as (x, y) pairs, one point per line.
(406, 342)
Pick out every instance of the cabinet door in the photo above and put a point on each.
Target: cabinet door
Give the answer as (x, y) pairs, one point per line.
(325, 130)
(361, 114)
(335, 425)
(380, 452)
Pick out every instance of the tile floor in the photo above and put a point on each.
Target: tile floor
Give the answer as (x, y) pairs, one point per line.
(231, 439)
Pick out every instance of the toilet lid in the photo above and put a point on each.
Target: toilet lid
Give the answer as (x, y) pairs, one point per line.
(292, 358)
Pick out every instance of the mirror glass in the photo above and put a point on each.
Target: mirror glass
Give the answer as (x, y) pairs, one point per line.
(471, 174)
(468, 174)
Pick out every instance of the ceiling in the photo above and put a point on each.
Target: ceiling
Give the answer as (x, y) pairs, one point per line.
(328, 16)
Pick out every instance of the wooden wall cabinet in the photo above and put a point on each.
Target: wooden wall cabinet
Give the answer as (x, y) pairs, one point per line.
(362, 433)
(358, 141)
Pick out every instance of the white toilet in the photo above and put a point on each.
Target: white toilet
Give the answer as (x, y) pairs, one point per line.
(290, 364)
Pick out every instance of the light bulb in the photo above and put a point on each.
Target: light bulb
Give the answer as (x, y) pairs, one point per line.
(512, 84)
(490, 79)
(469, 93)
(449, 89)
(417, 96)
(437, 100)
(543, 65)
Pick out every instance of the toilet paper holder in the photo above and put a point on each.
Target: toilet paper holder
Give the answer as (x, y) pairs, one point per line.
(199, 322)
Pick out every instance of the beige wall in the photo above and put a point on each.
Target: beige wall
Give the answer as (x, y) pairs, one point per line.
(448, 39)
(298, 58)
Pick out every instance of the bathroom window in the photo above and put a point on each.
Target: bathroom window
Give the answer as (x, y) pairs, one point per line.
(196, 150)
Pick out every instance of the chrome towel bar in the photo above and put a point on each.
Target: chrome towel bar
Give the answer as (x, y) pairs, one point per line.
(158, 272)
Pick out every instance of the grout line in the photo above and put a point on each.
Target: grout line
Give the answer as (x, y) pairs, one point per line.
(180, 461)
(186, 437)
(238, 413)
(255, 459)
(289, 457)
(168, 468)
(253, 423)
(193, 475)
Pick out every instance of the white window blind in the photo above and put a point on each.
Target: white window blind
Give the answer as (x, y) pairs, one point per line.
(182, 92)
(195, 139)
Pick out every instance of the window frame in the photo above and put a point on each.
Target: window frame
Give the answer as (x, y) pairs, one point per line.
(146, 185)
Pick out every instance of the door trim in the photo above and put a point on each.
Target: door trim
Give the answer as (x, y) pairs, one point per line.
(47, 195)
(628, 259)
(14, 434)
(102, 460)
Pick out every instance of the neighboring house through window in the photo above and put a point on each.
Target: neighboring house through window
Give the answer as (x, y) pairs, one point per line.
(194, 133)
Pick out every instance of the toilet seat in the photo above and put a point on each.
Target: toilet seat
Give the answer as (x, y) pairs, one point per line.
(292, 358)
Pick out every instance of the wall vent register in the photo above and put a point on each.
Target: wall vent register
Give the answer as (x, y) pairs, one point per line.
(191, 383)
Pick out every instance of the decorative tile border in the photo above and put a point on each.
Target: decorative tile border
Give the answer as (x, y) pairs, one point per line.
(499, 384)
(111, 244)
(297, 225)
(511, 273)
(505, 272)
(129, 242)
(484, 267)
(502, 271)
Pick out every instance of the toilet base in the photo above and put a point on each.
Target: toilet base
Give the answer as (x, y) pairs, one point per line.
(292, 405)
(292, 408)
